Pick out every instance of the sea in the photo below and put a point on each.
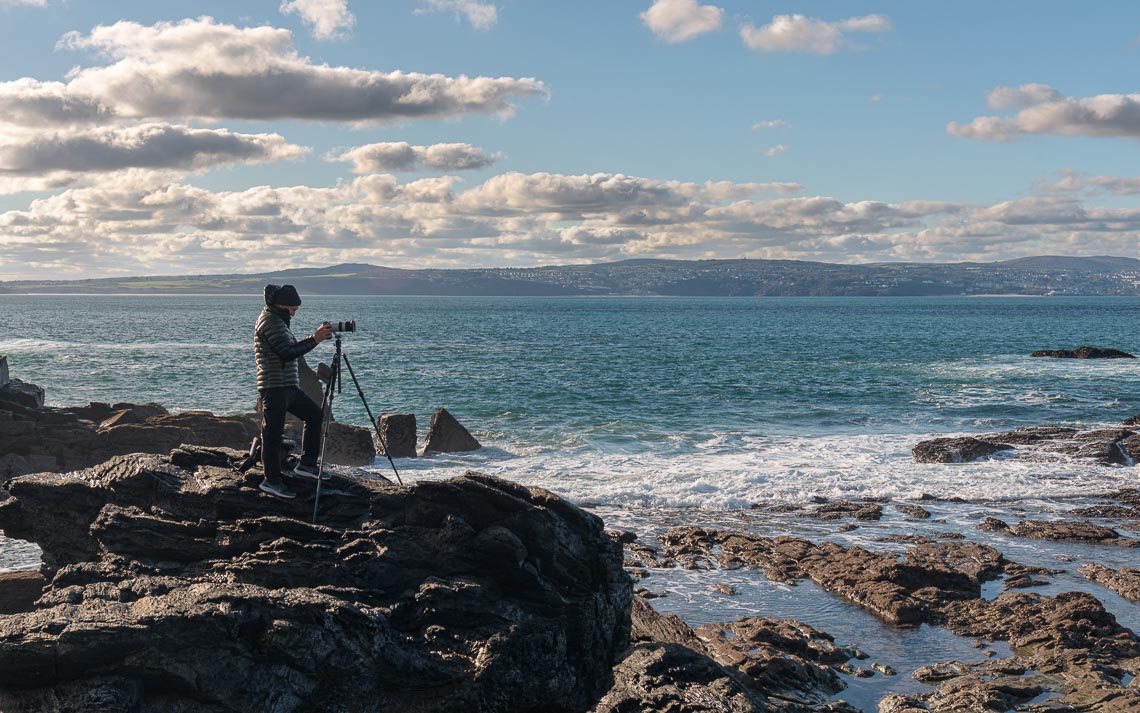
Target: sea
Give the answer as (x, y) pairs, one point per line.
(655, 412)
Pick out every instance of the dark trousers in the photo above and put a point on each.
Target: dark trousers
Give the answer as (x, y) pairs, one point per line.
(275, 403)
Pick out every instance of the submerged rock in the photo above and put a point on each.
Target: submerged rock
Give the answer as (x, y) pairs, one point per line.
(1112, 446)
(1083, 353)
(177, 585)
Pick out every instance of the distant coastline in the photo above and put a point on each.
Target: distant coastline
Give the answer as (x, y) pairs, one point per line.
(1023, 277)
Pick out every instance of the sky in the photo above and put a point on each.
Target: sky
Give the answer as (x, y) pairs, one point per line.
(143, 138)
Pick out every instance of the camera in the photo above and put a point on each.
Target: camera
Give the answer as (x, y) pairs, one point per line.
(349, 325)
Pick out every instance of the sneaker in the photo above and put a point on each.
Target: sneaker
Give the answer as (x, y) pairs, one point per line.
(278, 490)
(305, 470)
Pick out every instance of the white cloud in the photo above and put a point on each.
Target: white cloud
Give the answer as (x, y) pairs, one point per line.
(481, 15)
(1074, 182)
(329, 19)
(774, 151)
(402, 156)
(771, 124)
(143, 222)
(1045, 111)
(205, 70)
(1027, 95)
(33, 3)
(681, 20)
(797, 33)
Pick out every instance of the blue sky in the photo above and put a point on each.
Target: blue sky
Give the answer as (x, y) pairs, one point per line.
(146, 138)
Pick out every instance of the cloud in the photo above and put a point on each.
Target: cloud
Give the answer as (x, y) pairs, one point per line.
(328, 19)
(32, 3)
(481, 15)
(681, 20)
(1074, 182)
(153, 146)
(1027, 95)
(145, 223)
(402, 156)
(797, 33)
(199, 69)
(771, 124)
(1043, 110)
(775, 151)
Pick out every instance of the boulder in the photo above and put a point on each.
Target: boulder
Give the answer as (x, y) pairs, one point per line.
(1083, 353)
(349, 445)
(19, 393)
(447, 435)
(399, 433)
(176, 585)
(3, 370)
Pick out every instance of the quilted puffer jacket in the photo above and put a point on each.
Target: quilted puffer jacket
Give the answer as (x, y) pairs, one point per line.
(274, 347)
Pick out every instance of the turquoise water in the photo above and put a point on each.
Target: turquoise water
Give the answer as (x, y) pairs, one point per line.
(642, 401)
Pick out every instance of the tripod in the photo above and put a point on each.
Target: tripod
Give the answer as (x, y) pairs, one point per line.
(331, 389)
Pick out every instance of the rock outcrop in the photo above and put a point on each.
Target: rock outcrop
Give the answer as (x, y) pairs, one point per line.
(1107, 446)
(175, 585)
(1124, 581)
(1083, 353)
(36, 438)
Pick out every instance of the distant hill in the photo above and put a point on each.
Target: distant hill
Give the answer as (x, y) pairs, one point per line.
(1045, 275)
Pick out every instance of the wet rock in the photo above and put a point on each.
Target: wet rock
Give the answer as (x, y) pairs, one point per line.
(668, 677)
(184, 588)
(648, 625)
(1110, 512)
(1124, 581)
(1070, 531)
(4, 378)
(884, 669)
(399, 434)
(848, 527)
(955, 450)
(992, 524)
(447, 435)
(916, 511)
(1083, 353)
(723, 589)
(780, 657)
(845, 508)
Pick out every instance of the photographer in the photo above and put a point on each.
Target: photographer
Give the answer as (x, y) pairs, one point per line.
(278, 382)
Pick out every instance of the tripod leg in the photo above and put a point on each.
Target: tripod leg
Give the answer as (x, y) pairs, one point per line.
(375, 425)
(326, 423)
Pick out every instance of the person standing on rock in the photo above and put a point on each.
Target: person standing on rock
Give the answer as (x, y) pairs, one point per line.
(278, 382)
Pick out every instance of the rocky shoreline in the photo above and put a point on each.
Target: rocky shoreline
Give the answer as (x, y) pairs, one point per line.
(169, 583)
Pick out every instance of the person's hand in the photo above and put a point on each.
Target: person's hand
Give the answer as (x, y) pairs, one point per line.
(323, 332)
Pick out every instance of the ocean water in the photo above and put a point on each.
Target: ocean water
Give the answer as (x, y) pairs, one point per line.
(644, 402)
(664, 412)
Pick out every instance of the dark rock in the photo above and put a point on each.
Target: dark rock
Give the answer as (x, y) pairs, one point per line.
(1083, 353)
(399, 433)
(1035, 434)
(18, 393)
(182, 588)
(1124, 581)
(19, 591)
(916, 511)
(992, 524)
(846, 508)
(955, 450)
(780, 657)
(724, 589)
(1114, 512)
(447, 435)
(669, 677)
(647, 625)
(4, 378)
(1070, 531)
